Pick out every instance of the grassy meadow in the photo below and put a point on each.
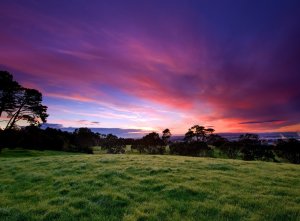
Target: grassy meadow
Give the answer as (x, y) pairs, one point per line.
(51, 185)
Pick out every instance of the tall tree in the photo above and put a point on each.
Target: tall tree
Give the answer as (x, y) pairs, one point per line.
(210, 131)
(20, 103)
(189, 136)
(153, 144)
(152, 139)
(9, 90)
(199, 132)
(84, 138)
(28, 108)
(166, 136)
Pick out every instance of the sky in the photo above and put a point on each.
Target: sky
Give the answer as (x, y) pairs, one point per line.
(151, 65)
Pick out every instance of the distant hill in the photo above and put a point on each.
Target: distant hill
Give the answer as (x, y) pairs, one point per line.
(137, 133)
(120, 132)
(269, 137)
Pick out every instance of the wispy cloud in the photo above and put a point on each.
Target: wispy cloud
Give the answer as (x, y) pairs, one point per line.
(262, 122)
(180, 67)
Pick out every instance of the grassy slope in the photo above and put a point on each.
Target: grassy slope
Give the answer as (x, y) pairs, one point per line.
(137, 187)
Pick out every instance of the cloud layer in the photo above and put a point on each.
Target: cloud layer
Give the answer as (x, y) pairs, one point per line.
(149, 66)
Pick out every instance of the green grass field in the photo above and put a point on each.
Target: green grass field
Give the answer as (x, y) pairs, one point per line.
(60, 186)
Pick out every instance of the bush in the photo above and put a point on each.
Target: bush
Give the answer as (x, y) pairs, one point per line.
(155, 149)
(194, 148)
(142, 148)
(116, 150)
(216, 140)
(289, 149)
(257, 152)
(231, 149)
(113, 144)
(10, 138)
(136, 145)
(33, 137)
(151, 143)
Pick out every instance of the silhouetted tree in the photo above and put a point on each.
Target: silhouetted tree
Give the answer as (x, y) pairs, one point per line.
(33, 138)
(166, 136)
(189, 136)
(210, 131)
(20, 103)
(199, 132)
(289, 149)
(196, 132)
(252, 149)
(109, 141)
(216, 140)
(55, 139)
(248, 143)
(231, 149)
(194, 148)
(113, 144)
(10, 138)
(84, 139)
(8, 93)
(29, 108)
(153, 144)
(150, 143)
(138, 145)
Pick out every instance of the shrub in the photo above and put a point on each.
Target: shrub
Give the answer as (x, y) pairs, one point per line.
(155, 149)
(116, 150)
(231, 149)
(216, 140)
(151, 143)
(10, 138)
(194, 148)
(289, 149)
(257, 152)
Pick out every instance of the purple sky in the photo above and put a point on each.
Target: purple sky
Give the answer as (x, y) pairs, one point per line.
(234, 65)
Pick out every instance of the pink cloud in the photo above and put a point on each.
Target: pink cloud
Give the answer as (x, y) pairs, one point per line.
(193, 74)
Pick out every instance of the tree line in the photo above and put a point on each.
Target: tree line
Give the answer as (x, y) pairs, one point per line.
(247, 147)
(20, 104)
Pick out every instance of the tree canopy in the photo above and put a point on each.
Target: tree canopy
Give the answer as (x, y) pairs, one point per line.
(166, 136)
(20, 103)
(198, 133)
(8, 92)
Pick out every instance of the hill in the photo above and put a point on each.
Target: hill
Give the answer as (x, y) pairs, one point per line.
(66, 186)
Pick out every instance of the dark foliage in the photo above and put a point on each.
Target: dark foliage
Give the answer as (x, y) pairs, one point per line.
(83, 139)
(19, 103)
(198, 133)
(191, 149)
(231, 149)
(216, 140)
(8, 92)
(116, 149)
(32, 137)
(138, 145)
(151, 143)
(166, 136)
(257, 152)
(9, 138)
(251, 148)
(289, 149)
(113, 144)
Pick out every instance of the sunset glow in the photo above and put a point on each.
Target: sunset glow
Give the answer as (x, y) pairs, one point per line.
(151, 65)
